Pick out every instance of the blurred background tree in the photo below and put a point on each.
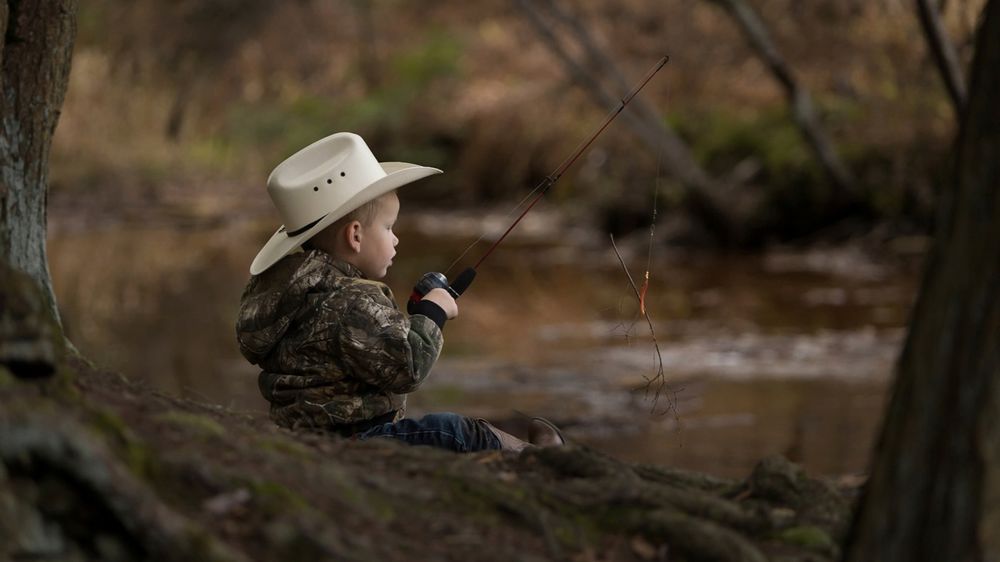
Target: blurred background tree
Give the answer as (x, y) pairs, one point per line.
(224, 89)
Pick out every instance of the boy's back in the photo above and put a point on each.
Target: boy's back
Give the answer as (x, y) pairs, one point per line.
(334, 348)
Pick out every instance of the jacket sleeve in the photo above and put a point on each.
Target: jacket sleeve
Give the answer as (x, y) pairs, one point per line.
(385, 348)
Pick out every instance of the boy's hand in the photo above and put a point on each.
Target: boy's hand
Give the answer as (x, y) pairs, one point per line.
(441, 298)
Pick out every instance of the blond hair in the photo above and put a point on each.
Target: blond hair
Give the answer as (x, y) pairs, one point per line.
(365, 214)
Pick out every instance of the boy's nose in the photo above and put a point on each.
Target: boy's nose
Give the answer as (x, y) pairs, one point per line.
(395, 241)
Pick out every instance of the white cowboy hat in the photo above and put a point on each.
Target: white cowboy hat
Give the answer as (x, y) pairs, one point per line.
(322, 183)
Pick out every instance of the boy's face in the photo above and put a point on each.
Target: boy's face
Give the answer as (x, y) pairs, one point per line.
(378, 243)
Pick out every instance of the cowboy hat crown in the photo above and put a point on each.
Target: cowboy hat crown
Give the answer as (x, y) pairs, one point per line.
(323, 182)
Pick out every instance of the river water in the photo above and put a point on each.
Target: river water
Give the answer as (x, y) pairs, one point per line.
(786, 351)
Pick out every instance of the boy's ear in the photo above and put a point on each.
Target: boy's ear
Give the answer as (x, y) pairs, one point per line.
(352, 235)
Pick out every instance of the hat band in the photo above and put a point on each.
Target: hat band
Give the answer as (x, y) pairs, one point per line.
(298, 231)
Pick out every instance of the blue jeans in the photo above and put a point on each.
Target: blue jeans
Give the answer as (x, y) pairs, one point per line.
(444, 430)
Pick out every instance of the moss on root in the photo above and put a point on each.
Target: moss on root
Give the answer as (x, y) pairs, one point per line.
(284, 446)
(811, 538)
(6, 377)
(31, 340)
(202, 426)
(135, 454)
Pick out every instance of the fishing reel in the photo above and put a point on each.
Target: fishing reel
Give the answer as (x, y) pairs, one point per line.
(435, 280)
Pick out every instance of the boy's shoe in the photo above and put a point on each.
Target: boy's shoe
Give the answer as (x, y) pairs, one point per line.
(507, 441)
(544, 433)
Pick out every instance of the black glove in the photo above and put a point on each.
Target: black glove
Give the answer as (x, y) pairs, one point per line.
(435, 280)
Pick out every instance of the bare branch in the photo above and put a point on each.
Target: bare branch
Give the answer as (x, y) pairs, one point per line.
(944, 55)
(701, 192)
(801, 102)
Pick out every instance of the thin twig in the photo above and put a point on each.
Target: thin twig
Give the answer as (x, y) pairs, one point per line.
(659, 379)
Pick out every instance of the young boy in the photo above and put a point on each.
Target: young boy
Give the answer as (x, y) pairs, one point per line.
(336, 352)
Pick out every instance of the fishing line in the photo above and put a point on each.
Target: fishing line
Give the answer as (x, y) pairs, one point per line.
(483, 235)
(652, 231)
(543, 187)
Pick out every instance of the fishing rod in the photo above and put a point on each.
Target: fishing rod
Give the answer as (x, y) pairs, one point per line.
(435, 280)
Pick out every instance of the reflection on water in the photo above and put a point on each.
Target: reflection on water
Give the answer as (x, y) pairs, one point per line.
(784, 353)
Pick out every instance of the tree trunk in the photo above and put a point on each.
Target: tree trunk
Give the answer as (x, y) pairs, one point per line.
(944, 54)
(34, 71)
(934, 492)
(799, 101)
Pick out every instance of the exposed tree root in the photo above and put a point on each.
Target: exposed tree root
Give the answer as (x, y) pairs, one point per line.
(64, 496)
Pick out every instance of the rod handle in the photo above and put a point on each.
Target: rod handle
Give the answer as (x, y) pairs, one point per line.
(463, 280)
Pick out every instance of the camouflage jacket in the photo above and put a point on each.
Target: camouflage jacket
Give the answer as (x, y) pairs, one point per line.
(334, 347)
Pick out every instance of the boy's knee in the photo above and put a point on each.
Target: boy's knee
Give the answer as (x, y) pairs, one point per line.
(453, 423)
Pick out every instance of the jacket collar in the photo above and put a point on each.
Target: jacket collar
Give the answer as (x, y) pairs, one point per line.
(341, 266)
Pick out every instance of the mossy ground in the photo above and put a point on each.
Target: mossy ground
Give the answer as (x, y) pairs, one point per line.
(245, 489)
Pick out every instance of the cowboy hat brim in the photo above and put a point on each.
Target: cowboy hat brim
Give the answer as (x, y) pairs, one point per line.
(281, 244)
